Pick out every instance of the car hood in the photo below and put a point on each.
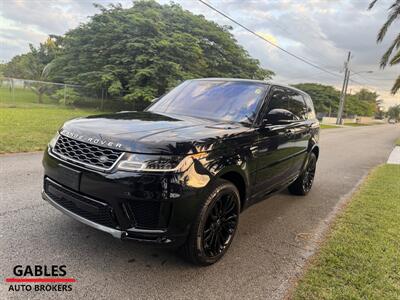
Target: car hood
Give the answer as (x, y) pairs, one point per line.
(152, 133)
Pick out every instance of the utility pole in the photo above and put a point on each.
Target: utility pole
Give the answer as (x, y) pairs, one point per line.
(344, 89)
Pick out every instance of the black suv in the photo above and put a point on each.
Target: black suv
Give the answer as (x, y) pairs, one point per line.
(181, 172)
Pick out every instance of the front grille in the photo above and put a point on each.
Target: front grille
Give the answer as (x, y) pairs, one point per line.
(85, 207)
(86, 153)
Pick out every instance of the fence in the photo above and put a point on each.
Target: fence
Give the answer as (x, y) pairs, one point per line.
(22, 93)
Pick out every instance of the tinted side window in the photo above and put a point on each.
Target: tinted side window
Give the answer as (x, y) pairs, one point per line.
(278, 99)
(297, 105)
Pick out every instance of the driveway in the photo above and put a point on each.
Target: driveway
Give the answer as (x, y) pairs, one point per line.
(274, 240)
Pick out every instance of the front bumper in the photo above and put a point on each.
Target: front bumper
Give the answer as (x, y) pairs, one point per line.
(152, 208)
(114, 232)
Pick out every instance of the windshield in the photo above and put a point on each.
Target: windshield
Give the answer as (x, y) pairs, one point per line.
(233, 101)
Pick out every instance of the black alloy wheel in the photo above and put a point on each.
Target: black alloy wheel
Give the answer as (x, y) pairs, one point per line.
(215, 226)
(309, 174)
(303, 184)
(220, 225)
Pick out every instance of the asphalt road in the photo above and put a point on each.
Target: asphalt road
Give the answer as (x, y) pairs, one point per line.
(275, 237)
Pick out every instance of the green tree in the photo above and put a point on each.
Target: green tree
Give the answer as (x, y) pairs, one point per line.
(366, 95)
(2, 68)
(141, 52)
(392, 54)
(35, 65)
(325, 97)
(356, 107)
(16, 67)
(394, 112)
(66, 96)
(31, 64)
(326, 100)
(40, 87)
(362, 103)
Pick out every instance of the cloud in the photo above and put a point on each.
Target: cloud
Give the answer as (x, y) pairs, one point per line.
(46, 16)
(269, 37)
(318, 30)
(31, 21)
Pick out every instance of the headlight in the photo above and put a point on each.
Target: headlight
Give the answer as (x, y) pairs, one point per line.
(53, 141)
(143, 162)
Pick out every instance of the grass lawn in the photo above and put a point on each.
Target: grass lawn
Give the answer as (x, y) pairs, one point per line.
(22, 96)
(360, 125)
(26, 125)
(398, 142)
(357, 124)
(30, 129)
(326, 126)
(361, 256)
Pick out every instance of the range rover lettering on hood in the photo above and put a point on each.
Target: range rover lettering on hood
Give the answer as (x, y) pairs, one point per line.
(151, 133)
(90, 140)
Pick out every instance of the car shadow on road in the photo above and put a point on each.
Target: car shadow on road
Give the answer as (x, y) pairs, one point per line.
(265, 244)
(263, 220)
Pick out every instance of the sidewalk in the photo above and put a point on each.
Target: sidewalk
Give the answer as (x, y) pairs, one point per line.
(394, 157)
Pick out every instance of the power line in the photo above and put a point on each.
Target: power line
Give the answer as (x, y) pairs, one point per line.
(280, 48)
(269, 42)
(357, 82)
(364, 85)
(278, 24)
(369, 87)
(368, 78)
(380, 79)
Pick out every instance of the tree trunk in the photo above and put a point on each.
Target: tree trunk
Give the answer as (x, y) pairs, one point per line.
(40, 97)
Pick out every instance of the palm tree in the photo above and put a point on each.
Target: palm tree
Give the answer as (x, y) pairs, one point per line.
(41, 87)
(388, 58)
(38, 73)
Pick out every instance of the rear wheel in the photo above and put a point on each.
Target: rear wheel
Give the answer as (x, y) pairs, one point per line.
(304, 182)
(215, 226)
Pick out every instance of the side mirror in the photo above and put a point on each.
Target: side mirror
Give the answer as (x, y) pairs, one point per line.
(278, 116)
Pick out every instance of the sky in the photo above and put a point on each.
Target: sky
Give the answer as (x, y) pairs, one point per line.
(320, 31)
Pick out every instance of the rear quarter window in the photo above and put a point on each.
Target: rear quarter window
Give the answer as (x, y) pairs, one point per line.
(310, 106)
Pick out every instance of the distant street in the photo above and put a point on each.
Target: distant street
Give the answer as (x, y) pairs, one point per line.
(275, 237)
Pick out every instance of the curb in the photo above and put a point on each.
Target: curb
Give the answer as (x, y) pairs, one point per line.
(394, 157)
(20, 153)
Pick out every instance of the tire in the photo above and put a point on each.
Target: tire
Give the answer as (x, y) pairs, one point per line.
(215, 226)
(304, 182)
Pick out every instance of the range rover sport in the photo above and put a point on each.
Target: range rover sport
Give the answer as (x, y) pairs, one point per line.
(181, 172)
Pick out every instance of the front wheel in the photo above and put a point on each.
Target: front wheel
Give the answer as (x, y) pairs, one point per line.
(304, 182)
(215, 226)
